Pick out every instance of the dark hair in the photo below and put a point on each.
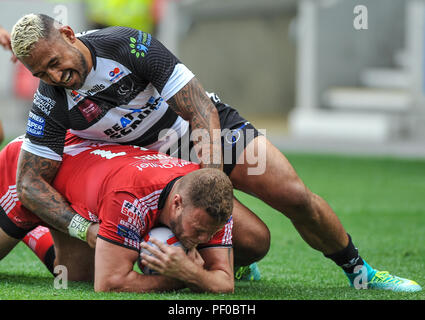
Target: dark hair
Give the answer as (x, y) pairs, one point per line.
(48, 25)
(210, 190)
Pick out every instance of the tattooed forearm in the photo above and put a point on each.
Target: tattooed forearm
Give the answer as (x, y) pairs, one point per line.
(193, 105)
(35, 192)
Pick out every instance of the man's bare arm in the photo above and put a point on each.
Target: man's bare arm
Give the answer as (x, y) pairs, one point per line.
(214, 275)
(114, 272)
(218, 266)
(193, 105)
(33, 184)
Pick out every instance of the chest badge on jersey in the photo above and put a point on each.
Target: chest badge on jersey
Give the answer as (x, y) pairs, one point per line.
(89, 110)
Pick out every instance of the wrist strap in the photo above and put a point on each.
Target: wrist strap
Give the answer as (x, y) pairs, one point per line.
(78, 227)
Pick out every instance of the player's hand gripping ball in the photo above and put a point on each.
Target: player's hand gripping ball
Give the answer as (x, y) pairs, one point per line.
(162, 234)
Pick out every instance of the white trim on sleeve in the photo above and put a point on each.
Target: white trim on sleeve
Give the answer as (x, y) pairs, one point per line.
(178, 79)
(40, 151)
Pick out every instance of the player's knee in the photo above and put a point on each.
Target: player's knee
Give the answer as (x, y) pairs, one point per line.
(263, 243)
(298, 201)
(252, 246)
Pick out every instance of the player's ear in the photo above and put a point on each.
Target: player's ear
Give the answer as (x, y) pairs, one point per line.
(177, 201)
(67, 33)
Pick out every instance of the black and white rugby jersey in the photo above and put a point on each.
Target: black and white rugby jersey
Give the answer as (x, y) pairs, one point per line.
(123, 99)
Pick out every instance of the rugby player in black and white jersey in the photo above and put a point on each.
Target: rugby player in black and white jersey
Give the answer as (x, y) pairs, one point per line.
(104, 85)
(120, 84)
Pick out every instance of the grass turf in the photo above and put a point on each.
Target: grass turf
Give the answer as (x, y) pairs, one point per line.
(380, 201)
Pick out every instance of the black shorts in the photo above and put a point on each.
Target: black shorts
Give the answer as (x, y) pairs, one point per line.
(10, 228)
(236, 134)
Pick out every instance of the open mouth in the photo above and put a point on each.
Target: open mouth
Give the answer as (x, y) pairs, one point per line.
(68, 77)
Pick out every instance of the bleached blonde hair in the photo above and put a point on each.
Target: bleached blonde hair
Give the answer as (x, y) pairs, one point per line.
(27, 31)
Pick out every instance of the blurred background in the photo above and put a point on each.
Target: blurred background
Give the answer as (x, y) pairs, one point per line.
(340, 76)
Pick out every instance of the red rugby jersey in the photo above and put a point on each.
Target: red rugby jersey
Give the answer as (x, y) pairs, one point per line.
(116, 185)
(119, 186)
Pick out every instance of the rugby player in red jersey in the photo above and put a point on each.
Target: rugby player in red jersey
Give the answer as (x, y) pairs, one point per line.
(129, 190)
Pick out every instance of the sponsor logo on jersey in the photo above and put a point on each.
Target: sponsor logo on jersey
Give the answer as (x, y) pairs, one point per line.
(96, 88)
(45, 104)
(76, 97)
(151, 157)
(129, 122)
(107, 153)
(89, 110)
(115, 75)
(35, 125)
(133, 213)
(162, 165)
(125, 89)
(154, 103)
(131, 230)
(140, 46)
(126, 232)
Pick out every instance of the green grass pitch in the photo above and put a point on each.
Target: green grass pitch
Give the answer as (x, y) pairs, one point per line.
(380, 201)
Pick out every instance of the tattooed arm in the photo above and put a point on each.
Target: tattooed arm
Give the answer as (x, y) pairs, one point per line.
(193, 105)
(33, 185)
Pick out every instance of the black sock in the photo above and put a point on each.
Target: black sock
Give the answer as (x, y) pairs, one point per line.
(49, 259)
(347, 258)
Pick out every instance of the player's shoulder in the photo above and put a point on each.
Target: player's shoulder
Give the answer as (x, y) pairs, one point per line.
(47, 96)
(108, 33)
(116, 41)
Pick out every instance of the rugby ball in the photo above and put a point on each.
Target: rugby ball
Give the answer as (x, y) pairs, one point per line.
(162, 234)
